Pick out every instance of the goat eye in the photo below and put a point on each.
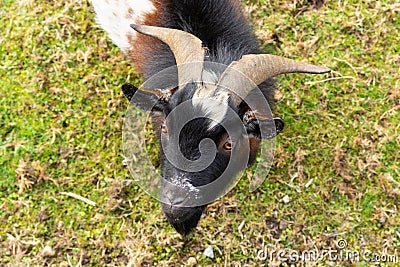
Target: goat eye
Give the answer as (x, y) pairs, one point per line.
(164, 128)
(228, 145)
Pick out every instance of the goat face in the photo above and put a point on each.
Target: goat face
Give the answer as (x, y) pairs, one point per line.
(207, 132)
(201, 140)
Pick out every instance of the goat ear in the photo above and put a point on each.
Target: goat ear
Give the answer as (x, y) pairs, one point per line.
(129, 90)
(147, 100)
(279, 125)
(262, 128)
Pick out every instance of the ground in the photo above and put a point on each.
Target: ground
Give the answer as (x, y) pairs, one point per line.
(334, 183)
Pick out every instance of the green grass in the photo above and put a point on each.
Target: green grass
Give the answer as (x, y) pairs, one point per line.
(61, 115)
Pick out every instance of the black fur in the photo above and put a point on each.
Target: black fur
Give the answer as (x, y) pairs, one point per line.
(220, 24)
(227, 35)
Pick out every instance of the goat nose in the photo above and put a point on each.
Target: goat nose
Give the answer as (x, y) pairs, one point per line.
(173, 200)
(178, 200)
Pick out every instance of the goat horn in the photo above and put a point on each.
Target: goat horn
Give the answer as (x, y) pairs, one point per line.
(259, 68)
(186, 47)
(163, 94)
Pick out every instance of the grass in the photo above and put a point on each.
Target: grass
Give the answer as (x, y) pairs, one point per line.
(61, 114)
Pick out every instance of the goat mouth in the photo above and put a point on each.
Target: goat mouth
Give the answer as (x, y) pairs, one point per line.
(183, 219)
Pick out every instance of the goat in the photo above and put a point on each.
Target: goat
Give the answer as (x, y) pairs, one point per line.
(193, 35)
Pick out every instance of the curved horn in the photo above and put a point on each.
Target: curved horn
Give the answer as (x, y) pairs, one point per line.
(259, 68)
(186, 47)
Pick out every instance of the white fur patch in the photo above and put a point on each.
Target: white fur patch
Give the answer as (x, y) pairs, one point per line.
(115, 16)
(213, 105)
(214, 108)
(184, 184)
(209, 76)
(209, 81)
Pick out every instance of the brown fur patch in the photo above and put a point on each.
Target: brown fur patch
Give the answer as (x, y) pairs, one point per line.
(144, 45)
(158, 120)
(254, 145)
